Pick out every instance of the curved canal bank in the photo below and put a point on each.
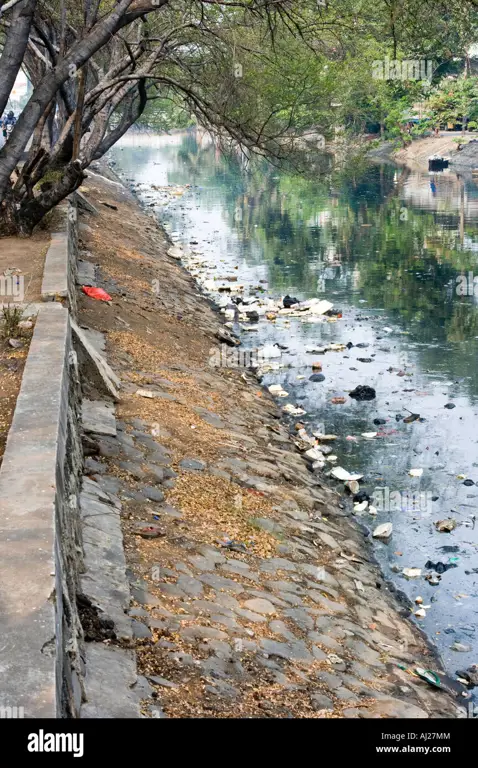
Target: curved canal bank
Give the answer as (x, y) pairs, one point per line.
(391, 249)
(254, 593)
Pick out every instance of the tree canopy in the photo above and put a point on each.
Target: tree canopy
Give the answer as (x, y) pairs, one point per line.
(258, 73)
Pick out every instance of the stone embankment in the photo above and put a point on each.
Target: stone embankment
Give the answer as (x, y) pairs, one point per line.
(165, 550)
(253, 592)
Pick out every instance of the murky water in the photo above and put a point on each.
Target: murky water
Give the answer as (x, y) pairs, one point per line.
(387, 247)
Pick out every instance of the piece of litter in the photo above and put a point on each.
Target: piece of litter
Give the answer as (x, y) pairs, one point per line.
(341, 474)
(445, 526)
(383, 531)
(144, 393)
(361, 506)
(293, 410)
(412, 573)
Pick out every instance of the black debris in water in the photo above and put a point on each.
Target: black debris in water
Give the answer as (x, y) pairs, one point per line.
(363, 392)
(439, 567)
(289, 301)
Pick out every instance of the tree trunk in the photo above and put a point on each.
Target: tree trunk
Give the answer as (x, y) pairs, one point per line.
(11, 153)
(14, 48)
(32, 212)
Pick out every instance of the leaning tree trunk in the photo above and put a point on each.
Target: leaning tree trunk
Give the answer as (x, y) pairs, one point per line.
(14, 49)
(22, 218)
(46, 90)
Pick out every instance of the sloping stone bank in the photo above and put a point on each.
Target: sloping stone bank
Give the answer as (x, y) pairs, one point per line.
(254, 594)
(164, 548)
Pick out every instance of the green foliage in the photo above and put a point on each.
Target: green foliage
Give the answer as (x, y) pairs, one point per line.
(162, 114)
(453, 100)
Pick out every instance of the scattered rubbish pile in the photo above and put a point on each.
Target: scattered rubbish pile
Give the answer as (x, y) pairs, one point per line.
(246, 309)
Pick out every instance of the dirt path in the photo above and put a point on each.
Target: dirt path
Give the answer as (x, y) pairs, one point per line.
(253, 591)
(416, 155)
(21, 272)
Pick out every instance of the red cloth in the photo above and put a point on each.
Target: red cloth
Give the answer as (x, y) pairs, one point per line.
(96, 293)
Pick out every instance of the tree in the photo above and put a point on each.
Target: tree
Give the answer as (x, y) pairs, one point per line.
(95, 67)
(256, 72)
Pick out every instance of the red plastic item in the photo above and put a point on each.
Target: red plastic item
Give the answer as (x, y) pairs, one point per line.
(96, 293)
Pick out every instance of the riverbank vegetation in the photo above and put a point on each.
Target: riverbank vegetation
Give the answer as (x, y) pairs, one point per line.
(275, 77)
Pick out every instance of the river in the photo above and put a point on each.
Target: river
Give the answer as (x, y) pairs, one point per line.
(394, 251)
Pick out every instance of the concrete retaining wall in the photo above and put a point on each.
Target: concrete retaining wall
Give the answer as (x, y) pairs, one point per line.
(45, 565)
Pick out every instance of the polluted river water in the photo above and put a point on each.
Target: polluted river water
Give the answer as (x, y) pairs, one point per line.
(395, 253)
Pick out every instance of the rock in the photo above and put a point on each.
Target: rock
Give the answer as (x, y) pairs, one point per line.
(135, 470)
(190, 585)
(93, 466)
(219, 583)
(225, 337)
(329, 540)
(138, 612)
(267, 525)
(292, 651)
(153, 494)
(162, 681)
(326, 641)
(170, 589)
(167, 509)
(202, 563)
(461, 647)
(141, 631)
(319, 701)
(221, 688)
(394, 708)
(280, 628)
(300, 617)
(140, 595)
(331, 681)
(155, 473)
(344, 694)
(98, 417)
(363, 392)
(259, 605)
(192, 465)
(203, 633)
